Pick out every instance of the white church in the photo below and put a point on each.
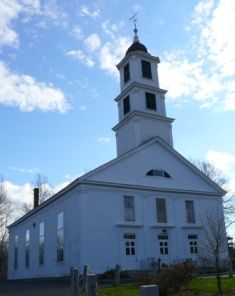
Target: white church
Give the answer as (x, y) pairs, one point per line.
(146, 203)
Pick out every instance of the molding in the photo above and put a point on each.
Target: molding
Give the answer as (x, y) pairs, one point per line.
(142, 54)
(148, 188)
(141, 86)
(162, 225)
(143, 115)
(192, 226)
(126, 225)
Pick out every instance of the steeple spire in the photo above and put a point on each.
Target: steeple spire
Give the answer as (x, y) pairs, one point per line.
(134, 19)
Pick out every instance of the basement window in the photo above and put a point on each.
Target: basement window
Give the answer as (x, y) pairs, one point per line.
(158, 173)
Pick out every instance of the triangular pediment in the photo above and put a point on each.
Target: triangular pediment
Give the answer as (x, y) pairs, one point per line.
(131, 169)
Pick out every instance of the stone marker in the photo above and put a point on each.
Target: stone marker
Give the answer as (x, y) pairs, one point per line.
(117, 274)
(149, 290)
(74, 281)
(153, 270)
(85, 274)
(91, 285)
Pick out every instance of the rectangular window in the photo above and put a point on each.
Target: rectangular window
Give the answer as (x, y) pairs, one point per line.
(161, 210)
(126, 73)
(27, 246)
(146, 69)
(129, 239)
(192, 238)
(150, 101)
(163, 244)
(16, 246)
(190, 215)
(41, 243)
(126, 105)
(60, 237)
(129, 208)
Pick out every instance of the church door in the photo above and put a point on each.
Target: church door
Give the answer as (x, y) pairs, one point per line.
(129, 252)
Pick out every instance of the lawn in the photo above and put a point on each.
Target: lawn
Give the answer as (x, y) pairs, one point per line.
(208, 285)
(123, 290)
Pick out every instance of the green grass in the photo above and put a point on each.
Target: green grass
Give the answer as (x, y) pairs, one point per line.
(208, 285)
(122, 290)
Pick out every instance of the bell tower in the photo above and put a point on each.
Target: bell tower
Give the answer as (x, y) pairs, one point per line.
(141, 103)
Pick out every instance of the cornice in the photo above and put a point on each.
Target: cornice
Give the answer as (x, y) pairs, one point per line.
(141, 54)
(143, 115)
(139, 85)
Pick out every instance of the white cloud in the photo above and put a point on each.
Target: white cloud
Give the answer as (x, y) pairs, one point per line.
(25, 92)
(230, 186)
(50, 14)
(202, 11)
(79, 55)
(85, 11)
(77, 32)
(186, 79)
(83, 108)
(112, 53)
(221, 160)
(111, 29)
(19, 194)
(208, 73)
(103, 140)
(137, 8)
(92, 42)
(9, 11)
(24, 170)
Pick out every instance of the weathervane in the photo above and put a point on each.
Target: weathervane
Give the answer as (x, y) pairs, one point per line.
(134, 19)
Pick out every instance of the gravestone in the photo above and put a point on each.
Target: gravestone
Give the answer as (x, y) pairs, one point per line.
(149, 290)
(85, 274)
(117, 274)
(74, 281)
(91, 285)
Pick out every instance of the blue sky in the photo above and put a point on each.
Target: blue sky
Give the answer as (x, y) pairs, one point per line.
(58, 81)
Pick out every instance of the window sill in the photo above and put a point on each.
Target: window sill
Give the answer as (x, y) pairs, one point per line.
(162, 225)
(192, 225)
(148, 78)
(130, 224)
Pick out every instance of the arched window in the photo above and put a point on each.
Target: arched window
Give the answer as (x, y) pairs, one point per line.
(158, 173)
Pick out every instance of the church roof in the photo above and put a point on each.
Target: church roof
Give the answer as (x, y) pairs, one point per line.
(137, 46)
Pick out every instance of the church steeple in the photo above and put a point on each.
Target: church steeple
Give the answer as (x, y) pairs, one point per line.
(136, 43)
(136, 39)
(141, 103)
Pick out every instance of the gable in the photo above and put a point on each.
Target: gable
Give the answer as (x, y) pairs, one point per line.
(131, 169)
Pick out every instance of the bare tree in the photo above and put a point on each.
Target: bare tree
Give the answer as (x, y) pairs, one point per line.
(5, 211)
(213, 249)
(42, 183)
(26, 207)
(218, 177)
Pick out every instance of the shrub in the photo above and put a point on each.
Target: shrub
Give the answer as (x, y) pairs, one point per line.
(174, 277)
(109, 275)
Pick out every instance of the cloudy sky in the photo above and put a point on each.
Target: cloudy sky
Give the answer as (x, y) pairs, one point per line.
(58, 81)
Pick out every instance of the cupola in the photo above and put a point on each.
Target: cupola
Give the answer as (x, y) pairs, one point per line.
(136, 45)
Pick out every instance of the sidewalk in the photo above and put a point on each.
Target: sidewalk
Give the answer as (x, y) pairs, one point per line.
(37, 288)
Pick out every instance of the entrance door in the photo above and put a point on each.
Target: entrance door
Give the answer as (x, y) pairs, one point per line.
(129, 252)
